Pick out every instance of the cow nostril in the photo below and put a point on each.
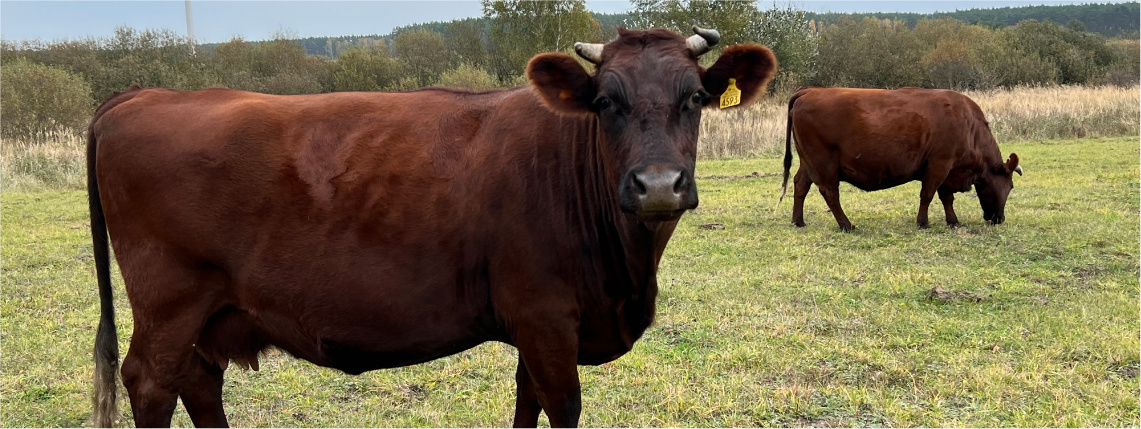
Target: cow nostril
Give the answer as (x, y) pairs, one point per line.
(681, 183)
(639, 187)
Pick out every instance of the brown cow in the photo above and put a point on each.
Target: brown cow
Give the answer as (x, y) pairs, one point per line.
(361, 231)
(877, 139)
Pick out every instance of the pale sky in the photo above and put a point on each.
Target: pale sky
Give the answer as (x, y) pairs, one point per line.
(219, 21)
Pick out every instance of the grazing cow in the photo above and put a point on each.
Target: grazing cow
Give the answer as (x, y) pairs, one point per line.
(877, 139)
(361, 231)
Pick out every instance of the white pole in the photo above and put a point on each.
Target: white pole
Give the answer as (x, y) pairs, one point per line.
(190, 27)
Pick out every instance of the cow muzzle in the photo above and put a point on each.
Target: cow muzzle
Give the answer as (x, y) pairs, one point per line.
(658, 193)
(994, 218)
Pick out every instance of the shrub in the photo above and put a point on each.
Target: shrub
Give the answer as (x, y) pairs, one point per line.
(407, 83)
(36, 99)
(468, 76)
(1125, 70)
(870, 53)
(274, 67)
(365, 69)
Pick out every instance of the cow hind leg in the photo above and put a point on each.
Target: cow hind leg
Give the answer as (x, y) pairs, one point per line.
(229, 335)
(171, 301)
(160, 366)
(801, 185)
(201, 394)
(829, 187)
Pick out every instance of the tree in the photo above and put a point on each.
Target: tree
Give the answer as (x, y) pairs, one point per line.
(275, 67)
(788, 33)
(465, 42)
(1077, 57)
(870, 53)
(960, 56)
(522, 29)
(423, 52)
(732, 19)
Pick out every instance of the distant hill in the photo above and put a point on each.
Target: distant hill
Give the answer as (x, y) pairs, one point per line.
(1109, 20)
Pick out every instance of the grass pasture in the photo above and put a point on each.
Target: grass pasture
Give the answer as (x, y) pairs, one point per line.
(1031, 323)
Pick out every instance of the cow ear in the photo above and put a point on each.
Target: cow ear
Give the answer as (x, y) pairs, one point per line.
(1012, 165)
(751, 66)
(562, 83)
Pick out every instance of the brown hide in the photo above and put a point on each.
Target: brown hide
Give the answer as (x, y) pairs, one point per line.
(877, 139)
(361, 231)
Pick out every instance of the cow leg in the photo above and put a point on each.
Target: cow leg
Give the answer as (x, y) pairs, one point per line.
(801, 184)
(202, 394)
(830, 189)
(526, 402)
(931, 181)
(171, 301)
(948, 198)
(152, 399)
(550, 356)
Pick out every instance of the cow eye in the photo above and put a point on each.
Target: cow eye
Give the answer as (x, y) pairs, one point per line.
(602, 103)
(696, 101)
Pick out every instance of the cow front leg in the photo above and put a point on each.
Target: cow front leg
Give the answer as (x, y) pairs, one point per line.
(931, 181)
(549, 355)
(526, 402)
(948, 198)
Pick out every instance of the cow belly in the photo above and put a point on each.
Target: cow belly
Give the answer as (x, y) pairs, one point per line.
(866, 182)
(868, 179)
(354, 345)
(356, 358)
(354, 310)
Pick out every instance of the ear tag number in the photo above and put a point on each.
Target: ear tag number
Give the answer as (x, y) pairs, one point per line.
(732, 96)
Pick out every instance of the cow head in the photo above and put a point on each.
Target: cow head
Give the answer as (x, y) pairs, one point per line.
(994, 185)
(647, 93)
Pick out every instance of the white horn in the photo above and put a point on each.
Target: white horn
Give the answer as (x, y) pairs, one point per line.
(589, 51)
(1018, 170)
(701, 42)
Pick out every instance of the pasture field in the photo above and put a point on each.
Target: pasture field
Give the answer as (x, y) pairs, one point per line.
(1034, 322)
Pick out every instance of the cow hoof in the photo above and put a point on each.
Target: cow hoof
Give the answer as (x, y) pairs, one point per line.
(847, 228)
(955, 225)
(798, 224)
(924, 226)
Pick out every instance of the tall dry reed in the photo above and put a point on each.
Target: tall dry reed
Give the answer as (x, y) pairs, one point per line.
(53, 160)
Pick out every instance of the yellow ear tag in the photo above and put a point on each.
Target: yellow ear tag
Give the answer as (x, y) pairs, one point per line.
(732, 96)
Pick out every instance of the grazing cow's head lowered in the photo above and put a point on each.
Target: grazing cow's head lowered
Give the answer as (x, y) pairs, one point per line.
(647, 93)
(994, 185)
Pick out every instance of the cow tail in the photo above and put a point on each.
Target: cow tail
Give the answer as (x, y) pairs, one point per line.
(106, 338)
(788, 146)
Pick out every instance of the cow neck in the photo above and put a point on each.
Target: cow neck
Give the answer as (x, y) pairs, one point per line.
(629, 248)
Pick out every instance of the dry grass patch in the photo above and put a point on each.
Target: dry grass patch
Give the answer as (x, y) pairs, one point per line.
(55, 160)
(1060, 112)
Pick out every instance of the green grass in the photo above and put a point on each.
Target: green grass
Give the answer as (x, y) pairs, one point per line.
(759, 323)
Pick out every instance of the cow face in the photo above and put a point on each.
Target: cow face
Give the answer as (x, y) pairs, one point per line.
(646, 95)
(994, 186)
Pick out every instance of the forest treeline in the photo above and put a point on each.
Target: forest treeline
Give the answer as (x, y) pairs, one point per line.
(46, 86)
(1108, 19)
